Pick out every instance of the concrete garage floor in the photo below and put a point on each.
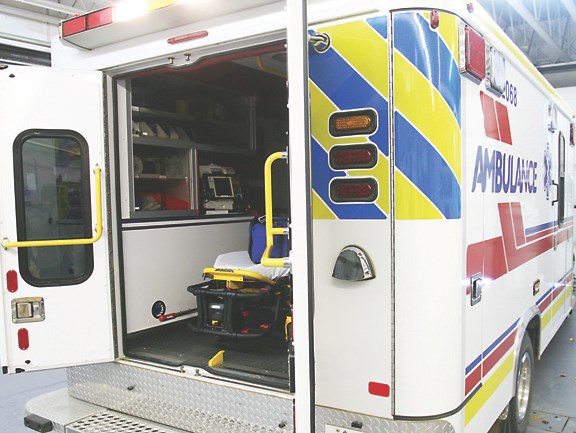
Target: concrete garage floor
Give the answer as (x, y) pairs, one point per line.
(553, 407)
(554, 399)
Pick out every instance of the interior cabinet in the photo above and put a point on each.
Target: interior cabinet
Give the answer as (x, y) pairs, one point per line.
(173, 123)
(162, 177)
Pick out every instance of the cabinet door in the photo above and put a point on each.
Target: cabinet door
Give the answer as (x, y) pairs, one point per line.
(56, 298)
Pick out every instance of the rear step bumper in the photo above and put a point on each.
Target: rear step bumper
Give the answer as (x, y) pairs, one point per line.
(70, 415)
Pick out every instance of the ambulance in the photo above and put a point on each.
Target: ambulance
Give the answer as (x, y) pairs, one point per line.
(283, 216)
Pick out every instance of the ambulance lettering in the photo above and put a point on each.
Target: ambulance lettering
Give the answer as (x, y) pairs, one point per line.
(503, 172)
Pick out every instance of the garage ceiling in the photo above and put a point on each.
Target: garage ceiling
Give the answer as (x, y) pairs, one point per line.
(544, 29)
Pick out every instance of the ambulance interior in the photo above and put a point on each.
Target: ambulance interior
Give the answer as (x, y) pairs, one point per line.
(196, 140)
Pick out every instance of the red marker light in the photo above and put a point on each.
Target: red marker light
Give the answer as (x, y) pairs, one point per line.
(434, 19)
(12, 281)
(379, 389)
(353, 156)
(23, 339)
(353, 190)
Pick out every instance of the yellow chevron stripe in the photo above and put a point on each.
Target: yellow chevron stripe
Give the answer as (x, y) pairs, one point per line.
(321, 109)
(489, 387)
(380, 171)
(419, 101)
(448, 30)
(556, 306)
(319, 209)
(362, 47)
(411, 204)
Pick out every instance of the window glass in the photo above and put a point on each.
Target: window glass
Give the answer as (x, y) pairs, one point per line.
(561, 178)
(53, 202)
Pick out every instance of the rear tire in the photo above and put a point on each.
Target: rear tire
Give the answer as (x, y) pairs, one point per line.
(521, 404)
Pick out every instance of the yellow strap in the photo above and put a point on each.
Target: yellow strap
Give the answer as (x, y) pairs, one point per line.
(225, 274)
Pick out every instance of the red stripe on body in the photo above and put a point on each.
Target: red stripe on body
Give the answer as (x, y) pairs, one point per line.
(518, 224)
(490, 121)
(473, 379)
(545, 303)
(539, 235)
(517, 256)
(503, 123)
(498, 353)
(486, 258)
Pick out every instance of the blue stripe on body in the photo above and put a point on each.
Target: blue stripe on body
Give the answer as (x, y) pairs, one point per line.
(380, 24)
(426, 50)
(323, 174)
(426, 168)
(348, 90)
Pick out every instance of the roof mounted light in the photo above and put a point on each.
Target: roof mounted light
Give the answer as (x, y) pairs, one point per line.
(472, 53)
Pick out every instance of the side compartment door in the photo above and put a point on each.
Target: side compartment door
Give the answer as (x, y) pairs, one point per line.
(56, 299)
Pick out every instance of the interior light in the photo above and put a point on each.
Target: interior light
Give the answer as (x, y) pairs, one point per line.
(352, 123)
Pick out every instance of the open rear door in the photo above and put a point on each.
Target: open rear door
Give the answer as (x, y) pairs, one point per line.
(56, 300)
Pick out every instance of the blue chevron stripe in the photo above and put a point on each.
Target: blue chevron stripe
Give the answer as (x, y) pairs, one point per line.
(349, 91)
(426, 50)
(426, 168)
(380, 24)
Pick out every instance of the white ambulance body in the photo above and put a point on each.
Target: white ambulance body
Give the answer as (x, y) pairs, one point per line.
(429, 191)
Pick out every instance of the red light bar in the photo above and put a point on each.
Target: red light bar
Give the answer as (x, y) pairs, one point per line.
(353, 190)
(188, 37)
(475, 54)
(100, 18)
(353, 156)
(73, 26)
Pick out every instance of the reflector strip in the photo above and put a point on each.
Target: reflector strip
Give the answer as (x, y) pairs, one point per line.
(73, 26)
(23, 339)
(100, 18)
(12, 281)
(379, 389)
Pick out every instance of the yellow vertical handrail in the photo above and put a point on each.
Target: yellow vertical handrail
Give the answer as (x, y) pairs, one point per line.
(63, 242)
(266, 260)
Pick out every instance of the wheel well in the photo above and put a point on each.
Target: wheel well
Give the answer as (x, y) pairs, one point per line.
(533, 330)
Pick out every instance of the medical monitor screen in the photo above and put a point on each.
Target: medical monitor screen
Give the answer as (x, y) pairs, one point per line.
(223, 187)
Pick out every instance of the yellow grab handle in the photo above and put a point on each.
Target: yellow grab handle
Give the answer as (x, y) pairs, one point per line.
(62, 242)
(270, 229)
